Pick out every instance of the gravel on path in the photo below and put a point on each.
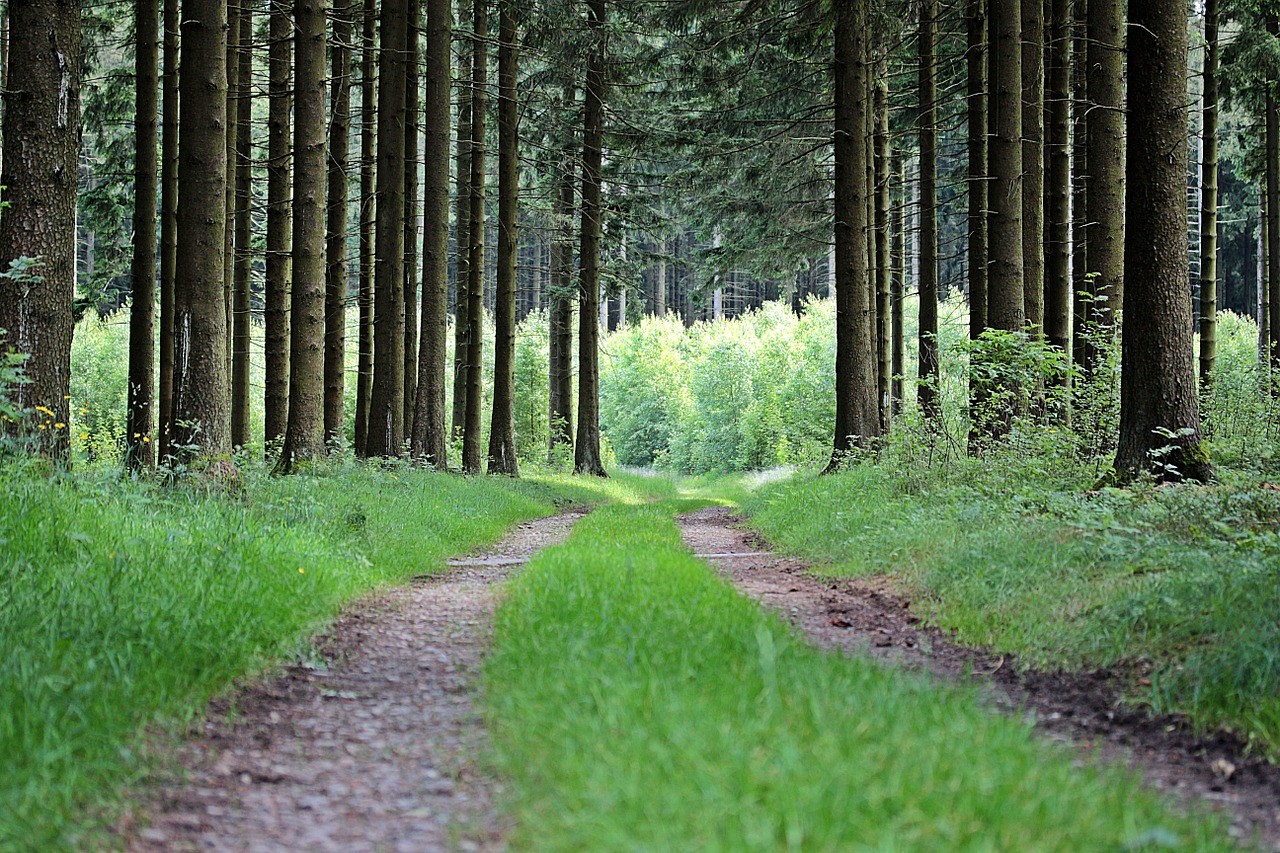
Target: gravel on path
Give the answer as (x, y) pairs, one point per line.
(370, 746)
(1085, 709)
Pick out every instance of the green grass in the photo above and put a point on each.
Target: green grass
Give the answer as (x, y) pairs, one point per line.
(638, 703)
(124, 606)
(1185, 579)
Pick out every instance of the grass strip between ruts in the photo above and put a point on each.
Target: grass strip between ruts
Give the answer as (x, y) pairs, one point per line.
(638, 703)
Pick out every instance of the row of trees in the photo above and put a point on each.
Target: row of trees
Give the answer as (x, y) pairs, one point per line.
(721, 126)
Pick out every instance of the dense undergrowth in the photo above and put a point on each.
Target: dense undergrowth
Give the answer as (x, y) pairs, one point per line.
(125, 604)
(678, 716)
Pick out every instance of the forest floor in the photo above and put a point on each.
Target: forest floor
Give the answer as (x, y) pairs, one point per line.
(1086, 710)
(370, 745)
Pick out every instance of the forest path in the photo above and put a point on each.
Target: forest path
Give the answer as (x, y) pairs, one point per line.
(867, 616)
(372, 746)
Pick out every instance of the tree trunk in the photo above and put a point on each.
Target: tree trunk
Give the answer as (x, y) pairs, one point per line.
(1033, 163)
(884, 330)
(502, 433)
(1159, 410)
(42, 141)
(168, 221)
(411, 132)
(1209, 200)
(430, 430)
(1080, 311)
(1106, 199)
(279, 223)
(139, 429)
(1273, 207)
(229, 233)
(561, 296)
(243, 261)
(368, 211)
(201, 402)
(857, 416)
(586, 457)
(1005, 300)
(897, 283)
(462, 225)
(928, 280)
(1057, 279)
(386, 406)
(304, 434)
(471, 419)
(335, 286)
(976, 89)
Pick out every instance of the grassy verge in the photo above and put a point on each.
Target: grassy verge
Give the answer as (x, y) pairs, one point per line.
(1185, 580)
(124, 605)
(638, 703)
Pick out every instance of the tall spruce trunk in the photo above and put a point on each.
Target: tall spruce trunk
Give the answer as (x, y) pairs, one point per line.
(41, 144)
(1006, 307)
(140, 420)
(412, 129)
(1080, 310)
(462, 228)
(335, 286)
(884, 320)
(304, 433)
(857, 421)
(502, 432)
(1273, 209)
(897, 281)
(368, 213)
(1106, 195)
(1057, 273)
(168, 221)
(279, 263)
(430, 439)
(1159, 409)
(1033, 163)
(201, 400)
(586, 456)
(229, 234)
(976, 92)
(1209, 200)
(472, 415)
(242, 268)
(927, 285)
(560, 406)
(386, 405)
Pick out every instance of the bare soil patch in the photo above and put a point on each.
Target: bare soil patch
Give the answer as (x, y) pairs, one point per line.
(370, 746)
(1084, 709)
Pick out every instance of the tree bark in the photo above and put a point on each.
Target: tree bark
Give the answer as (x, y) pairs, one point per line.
(1159, 410)
(1057, 280)
(430, 427)
(587, 458)
(472, 414)
(560, 406)
(139, 423)
(462, 227)
(857, 417)
(229, 233)
(884, 331)
(168, 221)
(1006, 306)
(1033, 163)
(976, 90)
(304, 434)
(1209, 200)
(412, 129)
(502, 432)
(1273, 207)
(368, 210)
(1080, 311)
(927, 285)
(335, 309)
(242, 266)
(897, 283)
(386, 408)
(41, 144)
(201, 402)
(279, 263)
(1106, 195)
